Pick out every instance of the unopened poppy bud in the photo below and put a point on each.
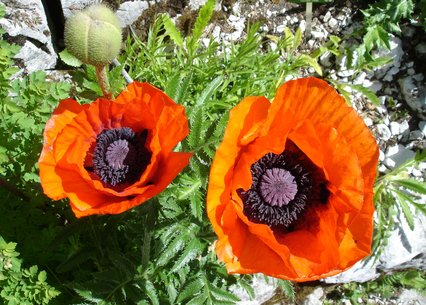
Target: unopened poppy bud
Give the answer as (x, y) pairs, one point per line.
(93, 35)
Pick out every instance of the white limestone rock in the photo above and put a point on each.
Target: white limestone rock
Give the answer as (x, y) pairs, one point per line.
(70, 7)
(315, 297)
(26, 18)
(398, 154)
(129, 12)
(395, 53)
(35, 59)
(414, 93)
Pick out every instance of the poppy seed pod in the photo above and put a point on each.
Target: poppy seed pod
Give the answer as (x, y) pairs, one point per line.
(93, 35)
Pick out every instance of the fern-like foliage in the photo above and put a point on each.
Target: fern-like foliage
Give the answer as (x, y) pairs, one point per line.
(397, 191)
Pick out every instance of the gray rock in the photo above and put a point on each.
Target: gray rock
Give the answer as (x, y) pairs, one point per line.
(318, 34)
(26, 18)
(280, 28)
(411, 71)
(405, 248)
(327, 16)
(374, 86)
(129, 12)
(361, 272)
(264, 290)
(395, 53)
(422, 127)
(70, 7)
(398, 154)
(414, 94)
(395, 128)
(314, 298)
(403, 127)
(411, 297)
(333, 23)
(416, 135)
(35, 59)
(421, 49)
(383, 131)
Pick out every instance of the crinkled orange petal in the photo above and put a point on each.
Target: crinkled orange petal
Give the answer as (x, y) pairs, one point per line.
(316, 118)
(62, 115)
(86, 202)
(249, 112)
(313, 99)
(73, 130)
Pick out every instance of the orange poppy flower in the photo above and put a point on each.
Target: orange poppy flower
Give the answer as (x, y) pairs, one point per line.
(109, 156)
(291, 185)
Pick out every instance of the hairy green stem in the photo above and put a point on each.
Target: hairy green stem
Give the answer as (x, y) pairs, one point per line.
(103, 82)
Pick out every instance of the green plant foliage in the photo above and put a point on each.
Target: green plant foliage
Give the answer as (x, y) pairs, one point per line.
(385, 287)
(20, 285)
(161, 252)
(396, 190)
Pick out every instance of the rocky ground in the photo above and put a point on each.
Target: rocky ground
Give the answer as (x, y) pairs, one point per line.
(399, 122)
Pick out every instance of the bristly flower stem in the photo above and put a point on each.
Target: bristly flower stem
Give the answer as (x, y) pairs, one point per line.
(103, 82)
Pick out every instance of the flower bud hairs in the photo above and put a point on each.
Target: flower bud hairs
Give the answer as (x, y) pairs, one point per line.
(86, 39)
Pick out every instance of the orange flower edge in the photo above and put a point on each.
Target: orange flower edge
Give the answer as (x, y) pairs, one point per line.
(290, 190)
(109, 156)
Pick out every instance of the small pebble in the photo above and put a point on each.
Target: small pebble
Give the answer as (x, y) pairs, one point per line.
(416, 135)
(280, 28)
(384, 132)
(415, 172)
(394, 128)
(381, 155)
(333, 23)
(403, 126)
(327, 16)
(368, 121)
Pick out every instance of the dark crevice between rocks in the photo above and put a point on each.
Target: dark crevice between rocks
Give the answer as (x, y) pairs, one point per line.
(56, 22)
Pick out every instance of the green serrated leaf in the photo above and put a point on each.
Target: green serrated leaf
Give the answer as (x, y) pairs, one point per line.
(177, 87)
(196, 120)
(310, 61)
(405, 209)
(209, 91)
(192, 250)
(287, 288)
(151, 291)
(69, 59)
(203, 18)
(191, 289)
(199, 299)
(172, 31)
(172, 249)
(221, 295)
(367, 92)
(297, 39)
(412, 184)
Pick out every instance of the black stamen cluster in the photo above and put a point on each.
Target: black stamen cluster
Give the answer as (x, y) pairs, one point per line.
(310, 188)
(120, 156)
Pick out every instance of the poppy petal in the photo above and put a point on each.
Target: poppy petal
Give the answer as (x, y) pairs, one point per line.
(314, 117)
(249, 112)
(100, 203)
(62, 115)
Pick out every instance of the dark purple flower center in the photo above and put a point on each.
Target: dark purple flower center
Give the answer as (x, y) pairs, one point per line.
(120, 156)
(283, 188)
